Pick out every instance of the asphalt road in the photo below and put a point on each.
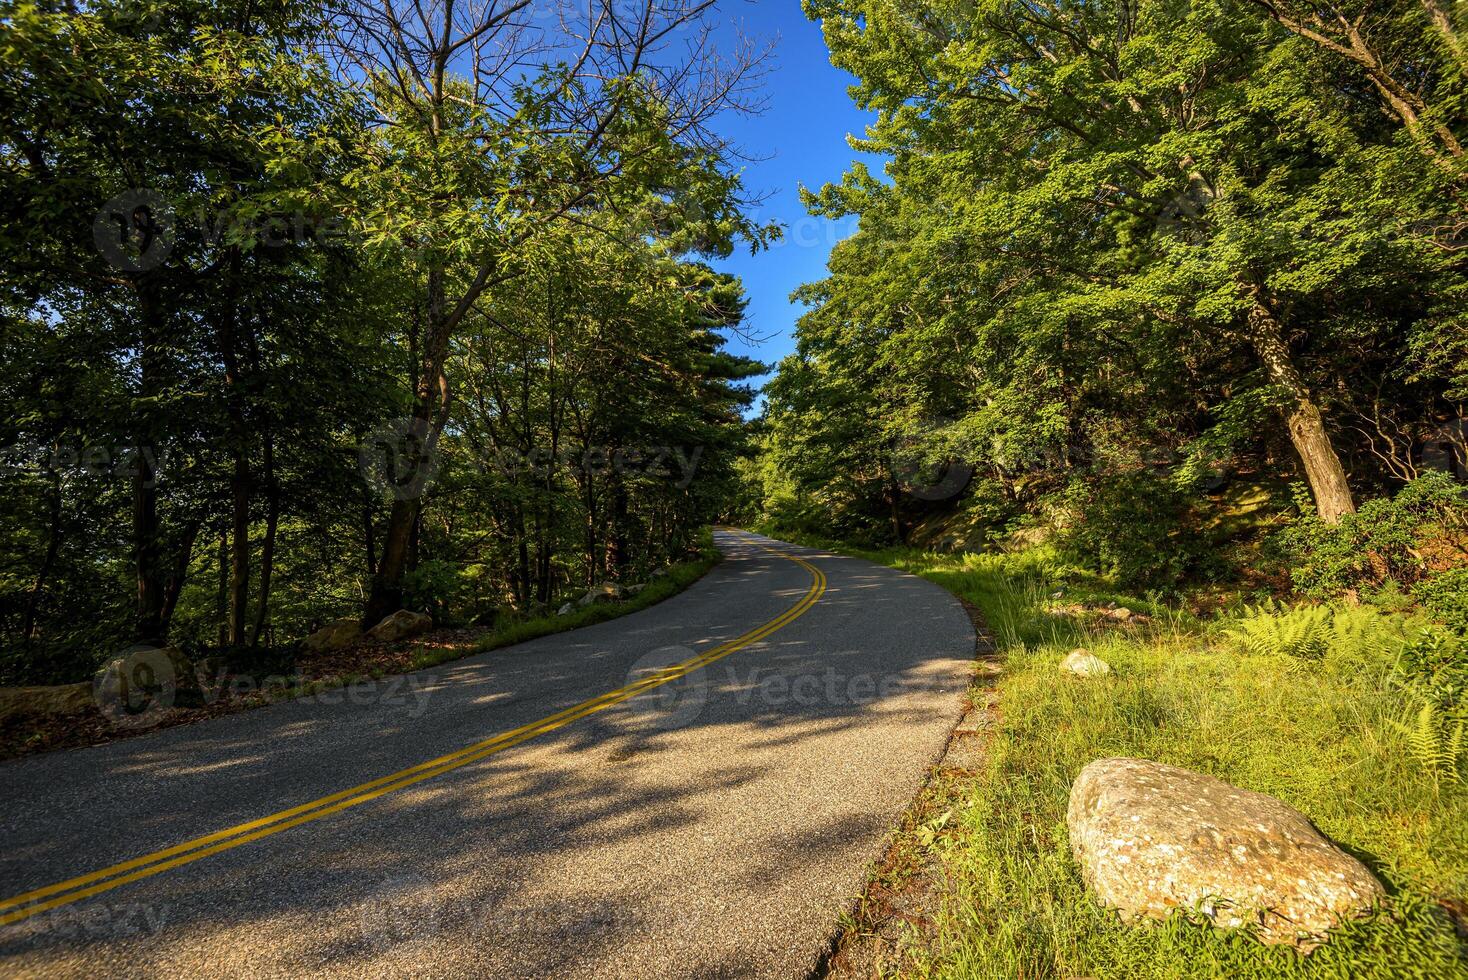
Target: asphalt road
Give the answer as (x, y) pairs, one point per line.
(714, 825)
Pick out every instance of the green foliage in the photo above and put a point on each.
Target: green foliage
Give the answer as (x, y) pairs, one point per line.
(1132, 526)
(456, 272)
(1435, 740)
(1445, 597)
(1402, 540)
(1069, 273)
(1358, 638)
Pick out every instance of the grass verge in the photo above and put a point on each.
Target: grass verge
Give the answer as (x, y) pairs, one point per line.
(1325, 726)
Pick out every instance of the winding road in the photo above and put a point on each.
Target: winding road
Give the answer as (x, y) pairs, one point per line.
(694, 790)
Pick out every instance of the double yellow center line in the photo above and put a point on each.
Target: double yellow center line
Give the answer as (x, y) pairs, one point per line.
(105, 879)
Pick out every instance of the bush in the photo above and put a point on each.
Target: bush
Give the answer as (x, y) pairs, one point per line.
(1131, 526)
(1404, 540)
(1445, 597)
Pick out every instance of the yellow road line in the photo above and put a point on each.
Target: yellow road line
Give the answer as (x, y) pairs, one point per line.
(30, 903)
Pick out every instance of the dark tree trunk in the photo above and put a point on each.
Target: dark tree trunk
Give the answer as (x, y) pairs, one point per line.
(149, 624)
(241, 479)
(430, 412)
(43, 574)
(267, 546)
(617, 556)
(386, 597)
(179, 573)
(221, 598)
(369, 534)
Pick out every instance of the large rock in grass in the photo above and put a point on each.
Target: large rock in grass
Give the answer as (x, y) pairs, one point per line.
(1152, 839)
(1084, 663)
(399, 626)
(335, 635)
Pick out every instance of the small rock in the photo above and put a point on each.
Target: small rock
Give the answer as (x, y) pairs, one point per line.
(399, 626)
(335, 635)
(1058, 594)
(1152, 838)
(1084, 663)
(1122, 613)
(566, 610)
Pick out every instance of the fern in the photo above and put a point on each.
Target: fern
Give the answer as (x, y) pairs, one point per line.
(1308, 634)
(1435, 741)
(1302, 634)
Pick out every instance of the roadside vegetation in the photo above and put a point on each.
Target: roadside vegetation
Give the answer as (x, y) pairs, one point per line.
(253, 679)
(316, 310)
(1351, 714)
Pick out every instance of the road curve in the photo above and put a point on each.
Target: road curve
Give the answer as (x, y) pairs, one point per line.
(713, 825)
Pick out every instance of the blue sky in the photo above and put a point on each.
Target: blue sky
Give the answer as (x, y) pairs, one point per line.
(799, 139)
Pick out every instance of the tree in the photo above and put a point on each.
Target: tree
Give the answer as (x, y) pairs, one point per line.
(477, 159)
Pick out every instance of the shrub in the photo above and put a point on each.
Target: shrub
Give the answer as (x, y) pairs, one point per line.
(1445, 597)
(1404, 539)
(1131, 526)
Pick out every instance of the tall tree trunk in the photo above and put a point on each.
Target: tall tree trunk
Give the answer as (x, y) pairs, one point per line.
(387, 585)
(267, 546)
(43, 574)
(369, 535)
(173, 586)
(1323, 470)
(241, 480)
(617, 553)
(221, 598)
(239, 559)
(147, 548)
(430, 412)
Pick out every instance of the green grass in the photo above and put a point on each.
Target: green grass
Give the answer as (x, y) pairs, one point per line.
(1323, 734)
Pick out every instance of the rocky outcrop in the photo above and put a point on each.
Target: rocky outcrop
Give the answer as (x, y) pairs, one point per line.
(400, 626)
(49, 701)
(605, 592)
(336, 635)
(1152, 839)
